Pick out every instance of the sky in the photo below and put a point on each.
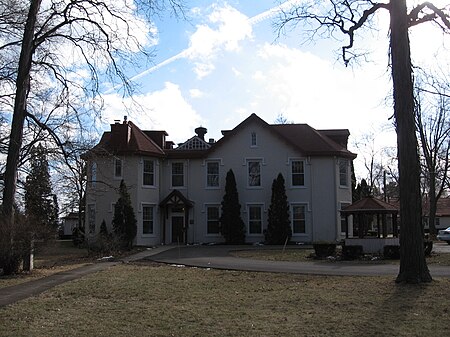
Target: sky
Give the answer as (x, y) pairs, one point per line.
(227, 61)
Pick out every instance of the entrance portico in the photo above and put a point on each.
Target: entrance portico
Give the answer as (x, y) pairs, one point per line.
(175, 223)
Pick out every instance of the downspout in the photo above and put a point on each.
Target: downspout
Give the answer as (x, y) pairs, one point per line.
(311, 204)
(336, 188)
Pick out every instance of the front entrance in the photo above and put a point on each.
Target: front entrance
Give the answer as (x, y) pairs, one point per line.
(177, 229)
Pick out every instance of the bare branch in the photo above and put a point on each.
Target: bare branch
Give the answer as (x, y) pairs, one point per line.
(415, 17)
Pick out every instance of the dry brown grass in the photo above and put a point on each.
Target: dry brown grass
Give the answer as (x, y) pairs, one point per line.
(152, 300)
(305, 255)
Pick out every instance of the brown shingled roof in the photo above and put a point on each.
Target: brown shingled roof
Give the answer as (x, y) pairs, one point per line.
(369, 205)
(127, 138)
(442, 207)
(308, 141)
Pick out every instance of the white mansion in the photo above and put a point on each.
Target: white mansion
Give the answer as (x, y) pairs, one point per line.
(176, 191)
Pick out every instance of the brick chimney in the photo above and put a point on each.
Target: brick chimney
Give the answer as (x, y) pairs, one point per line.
(120, 134)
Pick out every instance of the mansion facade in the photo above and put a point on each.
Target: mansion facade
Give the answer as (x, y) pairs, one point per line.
(176, 191)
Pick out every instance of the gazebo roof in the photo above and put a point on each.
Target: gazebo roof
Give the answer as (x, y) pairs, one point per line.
(370, 205)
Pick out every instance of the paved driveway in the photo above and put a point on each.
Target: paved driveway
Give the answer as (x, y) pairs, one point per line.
(219, 257)
(441, 247)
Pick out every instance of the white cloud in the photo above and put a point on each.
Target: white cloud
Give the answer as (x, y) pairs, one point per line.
(230, 28)
(306, 88)
(165, 109)
(196, 93)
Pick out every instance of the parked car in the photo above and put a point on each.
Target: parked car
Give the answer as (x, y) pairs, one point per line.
(444, 235)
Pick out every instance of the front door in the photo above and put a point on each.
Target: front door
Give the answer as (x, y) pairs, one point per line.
(177, 229)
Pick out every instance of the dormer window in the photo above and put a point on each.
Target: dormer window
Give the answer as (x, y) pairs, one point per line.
(254, 139)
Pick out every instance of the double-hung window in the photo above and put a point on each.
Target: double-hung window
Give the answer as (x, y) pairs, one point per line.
(147, 219)
(299, 219)
(177, 174)
(212, 219)
(148, 173)
(212, 174)
(343, 172)
(255, 219)
(254, 173)
(298, 172)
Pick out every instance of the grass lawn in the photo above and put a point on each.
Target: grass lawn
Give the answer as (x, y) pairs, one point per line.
(305, 255)
(155, 300)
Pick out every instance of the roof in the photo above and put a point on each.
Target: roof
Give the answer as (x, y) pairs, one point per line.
(442, 207)
(71, 215)
(127, 138)
(312, 142)
(304, 138)
(370, 205)
(176, 198)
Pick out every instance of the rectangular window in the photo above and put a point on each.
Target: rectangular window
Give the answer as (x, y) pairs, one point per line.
(254, 173)
(91, 218)
(212, 215)
(298, 173)
(299, 219)
(255, 219)
(147, 219)
(177, 174)
(149, 173)
(343, 172)
(93, 174)
(117, 168)
(254, 139)
(212, 174)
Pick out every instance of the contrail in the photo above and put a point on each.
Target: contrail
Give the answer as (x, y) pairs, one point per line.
(253, 21)
(270, 13)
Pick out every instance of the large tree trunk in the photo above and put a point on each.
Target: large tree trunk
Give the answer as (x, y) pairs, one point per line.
(413, 267)
(20, 108)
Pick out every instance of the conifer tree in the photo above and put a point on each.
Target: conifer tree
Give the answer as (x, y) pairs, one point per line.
(124, 220)
(41, 205)
(279, 227)
(231, 225)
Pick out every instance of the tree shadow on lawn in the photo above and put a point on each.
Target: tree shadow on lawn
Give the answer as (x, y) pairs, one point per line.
(407, 310)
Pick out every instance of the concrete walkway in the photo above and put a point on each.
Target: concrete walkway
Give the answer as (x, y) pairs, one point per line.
(217, 257)
(12, 294)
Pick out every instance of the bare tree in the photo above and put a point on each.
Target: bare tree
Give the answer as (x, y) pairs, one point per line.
(348, 18)
(54, 56)
(370, 154)
(48, 47)
(433, 127)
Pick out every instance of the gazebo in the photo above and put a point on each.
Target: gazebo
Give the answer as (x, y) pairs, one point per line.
(363, 212)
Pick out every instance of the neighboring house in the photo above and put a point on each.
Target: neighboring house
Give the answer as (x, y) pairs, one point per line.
(442, 220)
(69, 222)
(176, 192)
